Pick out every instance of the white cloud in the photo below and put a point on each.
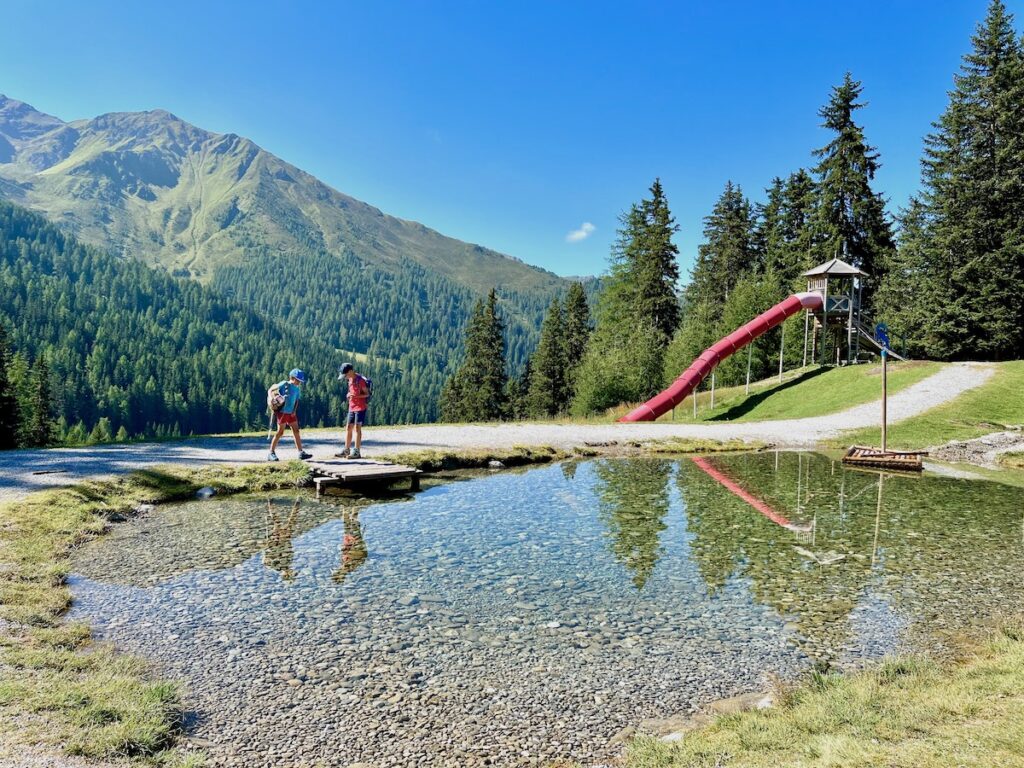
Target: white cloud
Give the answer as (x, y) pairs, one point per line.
(586, 230)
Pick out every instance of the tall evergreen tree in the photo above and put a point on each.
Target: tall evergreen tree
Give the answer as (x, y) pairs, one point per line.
(799, 203)
(637, 312)
(973, 173)
(10, 423)
(727, 252)
(852, 223)
(477, 391)
(546, 395)
(577, 333)
(769, 232)
(40, 428)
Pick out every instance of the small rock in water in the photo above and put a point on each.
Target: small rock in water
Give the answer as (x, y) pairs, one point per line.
(206, 492)
(495, 464)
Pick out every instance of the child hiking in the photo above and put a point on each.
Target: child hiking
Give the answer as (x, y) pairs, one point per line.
(360, 390)
(283, 399)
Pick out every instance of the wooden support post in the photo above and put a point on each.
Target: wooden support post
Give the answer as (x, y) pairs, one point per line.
(824, 325)
(750, 351)
(782, 348)
(694, 396)
(807, 316)
(849, 328)
(712, 390)
(415, 486)
(885, 395)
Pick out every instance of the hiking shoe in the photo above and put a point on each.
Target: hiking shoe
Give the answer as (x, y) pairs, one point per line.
(341, 455)
(355, 454)
(303, 455)
(272, 456)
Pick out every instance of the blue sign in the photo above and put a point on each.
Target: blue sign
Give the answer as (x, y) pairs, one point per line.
(882, 335)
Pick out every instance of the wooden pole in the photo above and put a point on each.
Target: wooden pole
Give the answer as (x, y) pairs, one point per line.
(807, 317)
(782, 348)
(750, 351)
(824, 325)
(885, 394)
(849, 328)
(712, 390)
(694, 402)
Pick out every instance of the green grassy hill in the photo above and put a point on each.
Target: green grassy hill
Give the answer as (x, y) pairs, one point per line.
(811, 391)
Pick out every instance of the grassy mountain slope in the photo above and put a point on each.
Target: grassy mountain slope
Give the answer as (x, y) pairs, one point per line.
(152, 186)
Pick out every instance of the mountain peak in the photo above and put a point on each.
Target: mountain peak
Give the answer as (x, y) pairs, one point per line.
(20, 121)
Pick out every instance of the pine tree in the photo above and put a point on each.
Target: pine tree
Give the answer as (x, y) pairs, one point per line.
(546, 395)
(974, 199)
(769, 240)
(637, 312)
(40, 432)
(727, 251)
(657, 268)
(799, 204)
(577, 334)
(10, 422)
(851, 223)
(478, 389)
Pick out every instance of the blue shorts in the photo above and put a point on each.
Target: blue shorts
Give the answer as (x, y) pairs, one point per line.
(357, 417)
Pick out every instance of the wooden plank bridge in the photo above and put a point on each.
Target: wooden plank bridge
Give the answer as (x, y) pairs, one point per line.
(347, 472)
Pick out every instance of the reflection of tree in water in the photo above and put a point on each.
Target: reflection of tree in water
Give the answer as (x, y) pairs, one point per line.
(634, 499)
(569, 469)
(927, 540)
(353, 547)
(278, 550)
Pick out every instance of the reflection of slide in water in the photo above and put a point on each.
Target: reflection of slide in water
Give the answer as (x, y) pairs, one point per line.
(759, 504)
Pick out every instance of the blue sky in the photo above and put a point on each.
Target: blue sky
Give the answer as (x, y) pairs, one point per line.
(510, 124)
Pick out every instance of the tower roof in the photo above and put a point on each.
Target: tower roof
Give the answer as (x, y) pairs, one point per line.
(835, 267)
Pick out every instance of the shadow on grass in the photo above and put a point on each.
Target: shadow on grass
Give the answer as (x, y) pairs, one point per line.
(755, 400)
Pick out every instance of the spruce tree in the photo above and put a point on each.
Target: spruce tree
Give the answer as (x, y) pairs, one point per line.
(973, 275)
(851, 222)
(728, 250)
(657, 267)
(799, 203)
(546, 395)
(10, 423)
(769, 233)
(577, 333)
(477, 391)
(637, 312)
(40, 431)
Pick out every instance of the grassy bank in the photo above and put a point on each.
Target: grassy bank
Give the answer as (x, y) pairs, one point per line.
(58, 687)
(992, 407)
(813, 391)
(907, 713)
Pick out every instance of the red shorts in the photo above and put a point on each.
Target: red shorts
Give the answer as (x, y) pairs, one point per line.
(284, 419)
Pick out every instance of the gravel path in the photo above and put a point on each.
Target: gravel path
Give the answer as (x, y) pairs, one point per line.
(26, 471)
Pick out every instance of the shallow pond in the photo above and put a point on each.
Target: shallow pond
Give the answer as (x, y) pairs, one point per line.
(520, 617)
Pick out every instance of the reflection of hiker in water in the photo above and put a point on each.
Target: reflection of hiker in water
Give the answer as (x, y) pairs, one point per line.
(278, 552)
(353, 547)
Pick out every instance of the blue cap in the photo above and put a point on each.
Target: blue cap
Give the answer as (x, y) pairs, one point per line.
(297, 373)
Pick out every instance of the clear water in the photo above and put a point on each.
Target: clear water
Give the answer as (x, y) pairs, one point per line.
(516, 618)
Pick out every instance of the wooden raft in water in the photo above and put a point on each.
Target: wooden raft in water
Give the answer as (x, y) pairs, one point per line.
(876, 458)
(356, 471)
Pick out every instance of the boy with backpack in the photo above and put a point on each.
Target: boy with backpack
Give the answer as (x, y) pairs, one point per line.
(360, 390)
(283, 399)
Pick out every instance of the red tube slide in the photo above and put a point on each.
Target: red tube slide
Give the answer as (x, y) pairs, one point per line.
(701, 368)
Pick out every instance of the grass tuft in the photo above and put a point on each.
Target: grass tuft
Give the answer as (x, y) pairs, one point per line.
(58, 686)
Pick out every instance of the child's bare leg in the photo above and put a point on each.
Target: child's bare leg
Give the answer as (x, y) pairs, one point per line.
(295, 434)
(348, 437)
(277, 438)
(359, 438)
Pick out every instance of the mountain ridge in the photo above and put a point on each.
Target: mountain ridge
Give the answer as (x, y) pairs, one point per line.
(153, 186)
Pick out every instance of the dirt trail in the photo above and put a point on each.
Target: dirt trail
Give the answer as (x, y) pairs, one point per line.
(22, 472)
